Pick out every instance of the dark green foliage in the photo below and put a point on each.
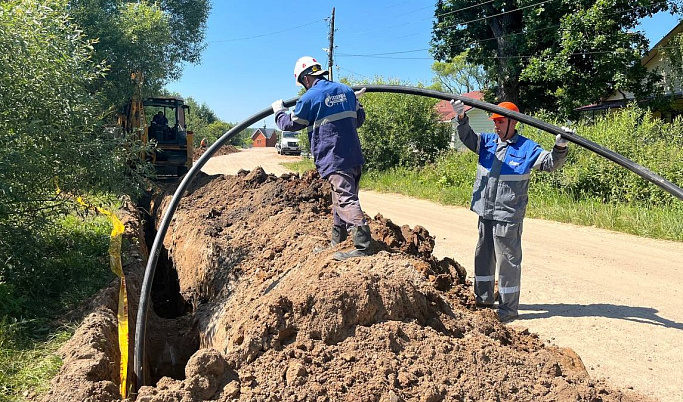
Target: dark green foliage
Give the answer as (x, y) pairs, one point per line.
(50, 134)
(553, 55)
(401, 130)
(154, 38)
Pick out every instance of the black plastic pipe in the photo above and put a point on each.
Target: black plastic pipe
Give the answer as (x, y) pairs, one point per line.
(532, 121)
(145, 291)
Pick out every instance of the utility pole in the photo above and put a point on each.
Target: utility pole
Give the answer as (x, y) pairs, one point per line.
(330, 57)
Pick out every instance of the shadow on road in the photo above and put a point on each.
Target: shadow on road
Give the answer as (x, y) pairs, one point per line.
(644, 315)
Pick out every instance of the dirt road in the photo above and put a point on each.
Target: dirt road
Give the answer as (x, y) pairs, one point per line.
(609, 296)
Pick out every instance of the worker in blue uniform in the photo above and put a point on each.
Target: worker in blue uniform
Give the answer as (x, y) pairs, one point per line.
(500, 198)
(331, 113)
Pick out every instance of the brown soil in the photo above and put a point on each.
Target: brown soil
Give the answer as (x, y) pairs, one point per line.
(248, 312)
(224, 150)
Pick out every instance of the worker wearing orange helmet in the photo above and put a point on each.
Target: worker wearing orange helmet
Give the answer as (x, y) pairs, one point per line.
(500, 197)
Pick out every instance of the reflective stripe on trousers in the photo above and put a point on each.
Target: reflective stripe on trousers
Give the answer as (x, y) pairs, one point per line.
(500, 244)
(345, 203)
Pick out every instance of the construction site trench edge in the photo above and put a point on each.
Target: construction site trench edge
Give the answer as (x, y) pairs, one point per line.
(242, 309)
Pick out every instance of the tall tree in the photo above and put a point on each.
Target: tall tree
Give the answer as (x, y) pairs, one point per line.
(49, 128)
(552, 54)
(459, 75)
(154, 38)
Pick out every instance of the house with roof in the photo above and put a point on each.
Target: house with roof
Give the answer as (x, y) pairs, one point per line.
(653, 60)
(479, 119)
(264, 137)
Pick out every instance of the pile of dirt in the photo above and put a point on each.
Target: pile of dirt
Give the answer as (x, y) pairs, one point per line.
(247, 311)
(224, 150)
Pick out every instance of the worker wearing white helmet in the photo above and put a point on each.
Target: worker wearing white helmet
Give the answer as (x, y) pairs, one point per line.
(331, 112)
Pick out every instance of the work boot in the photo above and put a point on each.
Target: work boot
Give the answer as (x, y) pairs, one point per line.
(505, 316)
(361, 241)
(339, 234)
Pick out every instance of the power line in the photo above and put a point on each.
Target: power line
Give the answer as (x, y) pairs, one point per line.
(462, 9)
(381, 54)
(269, 33)
(370, 55)
(423, 19)
(388, 55)
(352, 72)
(499, 14)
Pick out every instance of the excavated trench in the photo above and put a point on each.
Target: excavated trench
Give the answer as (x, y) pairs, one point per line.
(173, 335)
(244, 310)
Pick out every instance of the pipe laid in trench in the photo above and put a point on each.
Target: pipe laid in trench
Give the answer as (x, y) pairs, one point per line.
(146, 289)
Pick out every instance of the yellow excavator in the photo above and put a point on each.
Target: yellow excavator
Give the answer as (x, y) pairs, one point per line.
(173, 153)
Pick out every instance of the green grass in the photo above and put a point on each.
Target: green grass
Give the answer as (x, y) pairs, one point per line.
(55, 271)
(449, 182)
(301, 166)
(28, 358)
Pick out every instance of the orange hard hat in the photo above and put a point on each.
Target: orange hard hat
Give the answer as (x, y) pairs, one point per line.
(506, 105)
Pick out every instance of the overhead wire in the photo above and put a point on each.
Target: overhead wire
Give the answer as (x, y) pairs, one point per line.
(268, 33)
(419, 9)
(383, 55)
(499, 14)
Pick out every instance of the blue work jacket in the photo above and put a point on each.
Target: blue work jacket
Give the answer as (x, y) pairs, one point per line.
(503, 171)
(331, 113)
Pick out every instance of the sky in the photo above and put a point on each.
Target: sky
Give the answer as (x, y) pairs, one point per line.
(252, 47)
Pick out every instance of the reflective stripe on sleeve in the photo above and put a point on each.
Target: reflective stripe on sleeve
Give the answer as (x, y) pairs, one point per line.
(299, 120)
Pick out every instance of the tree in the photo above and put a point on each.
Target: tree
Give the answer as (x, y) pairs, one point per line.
(50, 133)
(400, 130)
(672, 55)
(154, 38)
(216, 130)
(459, 76)
(555, 54)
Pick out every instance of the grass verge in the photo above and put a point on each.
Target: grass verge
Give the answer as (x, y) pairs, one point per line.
(430, 183)
(69, 264)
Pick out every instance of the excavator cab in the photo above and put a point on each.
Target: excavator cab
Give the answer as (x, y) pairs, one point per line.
(167, 126)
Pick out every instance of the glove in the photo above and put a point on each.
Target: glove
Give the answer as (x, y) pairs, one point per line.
(279, 106)
(360, 92)
(560, 141)
(458, 107)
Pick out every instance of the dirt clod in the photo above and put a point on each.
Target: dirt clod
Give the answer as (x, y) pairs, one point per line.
(277, 322)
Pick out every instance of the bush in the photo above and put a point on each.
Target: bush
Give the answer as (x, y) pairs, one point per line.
(633, 133)
(400, 130)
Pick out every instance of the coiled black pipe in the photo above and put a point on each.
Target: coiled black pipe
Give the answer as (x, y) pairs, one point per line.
(140, 326)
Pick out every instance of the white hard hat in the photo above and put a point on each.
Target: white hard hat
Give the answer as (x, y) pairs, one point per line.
(307, 65)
